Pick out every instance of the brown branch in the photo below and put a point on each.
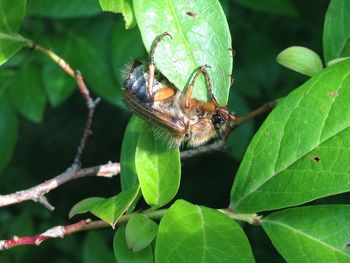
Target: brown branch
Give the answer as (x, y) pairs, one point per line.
(62, 231)
(88, 224)
(54, 232)
(90, 103)
(219, 145)
(37, 193)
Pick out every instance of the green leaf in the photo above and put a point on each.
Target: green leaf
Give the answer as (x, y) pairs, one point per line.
(311, 234)
(87, 51)
(63, 8)
(263, 68)
(300, 153)
(111, 209)
(278, 7)
(8, 132)
(120, 6)
(140, 232)
(58, 85)
(201, 37)
(11, 13)
(337, 60)
(191, 233)
(336, 33)
(300, 59)
(10, 44)
(158, 168)
(27, 93)
(128, 173)
(124, 255)
(85, 205)
(96, 250)
(122, 40)
(240, 138)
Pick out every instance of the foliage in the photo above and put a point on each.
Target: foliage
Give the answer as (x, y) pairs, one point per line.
(299, 154)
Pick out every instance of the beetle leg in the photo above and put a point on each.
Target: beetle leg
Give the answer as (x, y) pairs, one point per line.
(188, 94)
(152, 65)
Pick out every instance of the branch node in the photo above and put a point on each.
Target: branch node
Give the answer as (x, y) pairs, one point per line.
(43, 200)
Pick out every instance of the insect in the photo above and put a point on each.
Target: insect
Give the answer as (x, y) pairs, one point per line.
(152, 97)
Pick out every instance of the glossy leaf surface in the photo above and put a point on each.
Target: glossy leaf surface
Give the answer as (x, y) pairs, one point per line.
(158, 168)
(191, 233)
(200, 36)
(300, 59)
(301, 152)
(311, 234)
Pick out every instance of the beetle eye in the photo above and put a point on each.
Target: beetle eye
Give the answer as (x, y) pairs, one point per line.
(217, 119)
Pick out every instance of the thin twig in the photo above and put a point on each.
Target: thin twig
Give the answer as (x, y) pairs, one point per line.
(219, 145)
(88, 224)
(37, 193)
(62, 231)
(90, 103)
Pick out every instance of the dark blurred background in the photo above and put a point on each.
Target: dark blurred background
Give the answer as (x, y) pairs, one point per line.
(97, 44)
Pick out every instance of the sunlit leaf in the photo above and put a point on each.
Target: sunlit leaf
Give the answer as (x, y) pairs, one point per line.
(300, 59)
(158, 168)
(311, 234)
(111, 209)
(191, 233)
(301, 152)
(200, 36)
(120, 6)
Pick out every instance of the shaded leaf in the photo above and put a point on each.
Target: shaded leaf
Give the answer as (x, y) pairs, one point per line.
(298, 232)
(10, 44)
(96, 250)
(120, 6)
(300, 59)
(63, 8)
(85, 205)
(88, 51)
(263, 68)
(11, 13)
(27, 93)
(336, 33)
(128, 173)
(122, 40)
(200, 36)
(191, 233)
(158, 168)
(140, 232)
(279, 7)
(61, 88)
(240, 138)
(304, 142)
(124, 255)
(8, 132)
